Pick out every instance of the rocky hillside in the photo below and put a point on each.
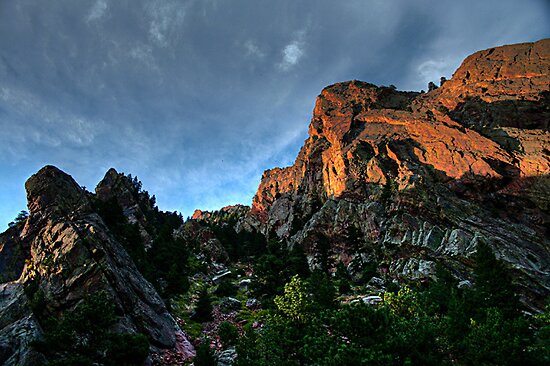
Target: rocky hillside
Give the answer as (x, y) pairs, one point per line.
(388, 218)
(69, 255)
(408, 180)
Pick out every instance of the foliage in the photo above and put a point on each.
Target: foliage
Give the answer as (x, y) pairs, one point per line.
(389, 189)
(541, 344)
(322, 291)
(226, 289)
(404, 303)
(294, 303)
(203, 308)
(497, 340)
(205, 355)
(435, 324)
(322, 252)
(275, 268)
(19, 219)
(228, 334)
(494, 285)
(35, 295)
(241, 245)
(84, 337)
(167, 263)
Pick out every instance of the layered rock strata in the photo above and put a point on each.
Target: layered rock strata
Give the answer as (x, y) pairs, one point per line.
(415, 179)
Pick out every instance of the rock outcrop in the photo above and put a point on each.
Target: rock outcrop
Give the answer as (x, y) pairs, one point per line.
(408, 180)
(127, 193)
(210, 248)
(223, 215)
(12, 254)
(19, 327)
(73, 254)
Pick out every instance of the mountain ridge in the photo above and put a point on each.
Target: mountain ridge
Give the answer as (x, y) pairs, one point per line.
(454, 145)
(397, 182)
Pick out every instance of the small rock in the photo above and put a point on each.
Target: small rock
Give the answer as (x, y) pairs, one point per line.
(227, 357)
(252, 303)
(372, 300)
(243, 285)
(376, 282)
(465, 284)
(229, 303)
(218, 278)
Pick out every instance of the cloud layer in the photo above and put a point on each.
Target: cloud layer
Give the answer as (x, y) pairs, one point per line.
(197, 98)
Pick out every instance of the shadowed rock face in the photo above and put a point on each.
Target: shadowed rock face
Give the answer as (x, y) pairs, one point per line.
(135, 204)
(12, 255)
(425, 177)
(73, 254)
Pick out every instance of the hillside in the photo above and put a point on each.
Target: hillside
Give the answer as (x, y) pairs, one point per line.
(413, 228)
(422, 178)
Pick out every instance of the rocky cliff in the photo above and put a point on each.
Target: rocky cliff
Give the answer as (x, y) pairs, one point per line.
(72, 254)
(409, 180)
(389, 183)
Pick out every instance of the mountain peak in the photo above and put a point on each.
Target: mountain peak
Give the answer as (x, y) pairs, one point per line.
(466, 162)
(519, 71)
(53, 190)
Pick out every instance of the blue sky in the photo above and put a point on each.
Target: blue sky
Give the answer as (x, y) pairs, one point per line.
(197, 98)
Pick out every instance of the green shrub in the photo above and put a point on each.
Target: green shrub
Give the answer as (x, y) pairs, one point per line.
(203, 309)
(128, 349)
(205, 355)
(84, 337)
(228, 334)
(226, 289)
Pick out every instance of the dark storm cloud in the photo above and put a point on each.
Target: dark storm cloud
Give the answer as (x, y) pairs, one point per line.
(197, 98)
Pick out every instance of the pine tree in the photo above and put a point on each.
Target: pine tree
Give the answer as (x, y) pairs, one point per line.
(203, 309)
(205, 355)
(493, 283)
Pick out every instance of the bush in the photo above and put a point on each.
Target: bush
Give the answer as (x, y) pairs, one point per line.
(493, 284)
(128, 349)
(205, 355)
(295, 302)
(83, 337)
(497, 341)
(228, 334)
(226, 289)
(203, 309)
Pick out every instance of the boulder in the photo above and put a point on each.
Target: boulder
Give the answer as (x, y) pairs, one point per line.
(229, 304)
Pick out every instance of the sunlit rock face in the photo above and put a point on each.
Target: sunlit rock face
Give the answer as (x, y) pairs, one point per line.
(72, 254)
(515, 72)
(421, 178)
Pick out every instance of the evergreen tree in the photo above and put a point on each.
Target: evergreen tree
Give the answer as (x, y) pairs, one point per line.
(205, 355)
(322, 290)
(84, 337)
(297, 262)
(228, 334)
(203, 309)
(493, 283)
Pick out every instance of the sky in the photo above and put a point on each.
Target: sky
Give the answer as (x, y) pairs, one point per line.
(198, 97)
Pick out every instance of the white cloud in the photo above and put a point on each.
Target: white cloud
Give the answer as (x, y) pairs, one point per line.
(45, 124)
(97, 11)
(253, 50)
(166, 17)
(144, 54)
(433, 70)
(293, 52)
